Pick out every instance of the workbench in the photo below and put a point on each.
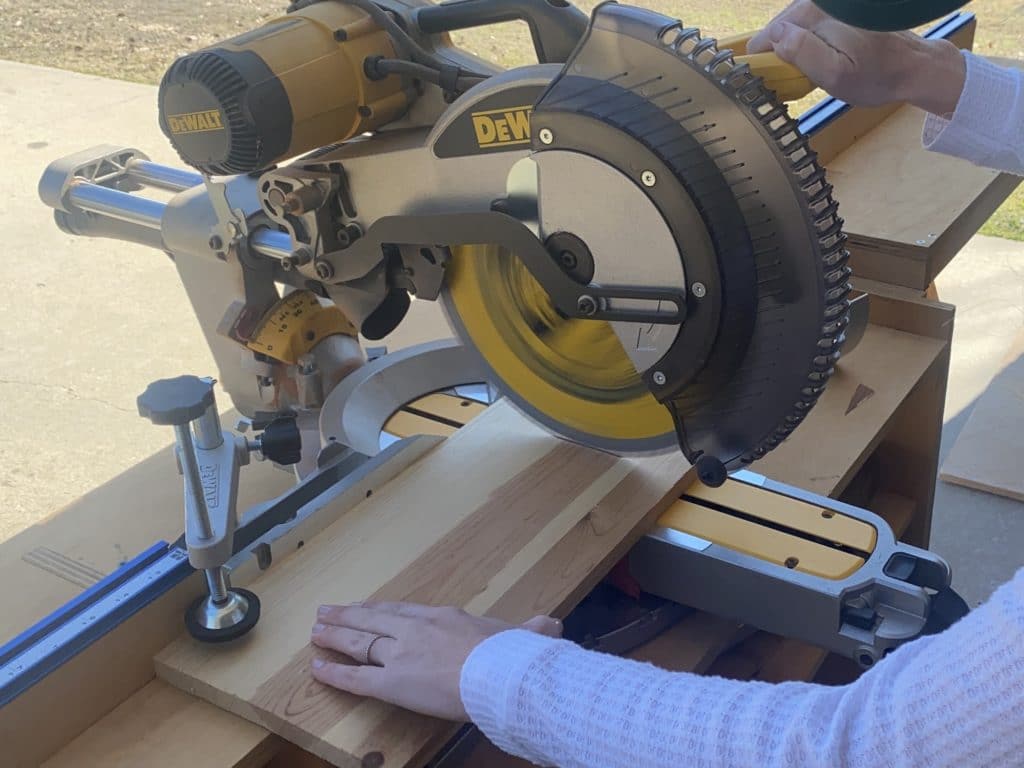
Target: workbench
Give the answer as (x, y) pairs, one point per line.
(872, 441)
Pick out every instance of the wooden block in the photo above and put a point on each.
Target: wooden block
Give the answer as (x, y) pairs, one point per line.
(502, 519)
(986, 455)
(897, 511)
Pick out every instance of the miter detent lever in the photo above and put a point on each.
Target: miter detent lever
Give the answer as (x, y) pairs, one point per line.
(209, 458)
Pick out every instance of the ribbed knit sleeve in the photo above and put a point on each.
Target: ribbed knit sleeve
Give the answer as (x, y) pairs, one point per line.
(988, 125)
(955, 699)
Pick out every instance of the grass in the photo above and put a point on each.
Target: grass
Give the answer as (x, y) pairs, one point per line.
(137, 39)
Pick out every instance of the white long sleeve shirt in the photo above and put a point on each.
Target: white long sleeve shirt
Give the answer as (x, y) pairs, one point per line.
(988, 125)
(955, 699)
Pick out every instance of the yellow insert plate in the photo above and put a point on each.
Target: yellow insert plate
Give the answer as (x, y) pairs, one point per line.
(760, 542)
(798, 515)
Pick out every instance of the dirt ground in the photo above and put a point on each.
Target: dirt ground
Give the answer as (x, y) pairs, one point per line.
(138, 39)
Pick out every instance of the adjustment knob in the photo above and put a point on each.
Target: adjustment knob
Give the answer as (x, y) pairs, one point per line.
(711, 471)
(281, 442)
(176, 402)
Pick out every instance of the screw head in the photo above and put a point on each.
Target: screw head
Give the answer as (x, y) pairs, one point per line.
(587, 305)
(324, 270)
(546, 136)
(660, 378)
(292, 204)
(216, 243)
(699, 290)
(648, 178)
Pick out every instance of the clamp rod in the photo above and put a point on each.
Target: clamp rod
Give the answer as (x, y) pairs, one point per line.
(143, 212)
(193, 480)
(116, 204)
(165, 177)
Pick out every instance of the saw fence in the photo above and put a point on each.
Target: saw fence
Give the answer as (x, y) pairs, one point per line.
(499, 517)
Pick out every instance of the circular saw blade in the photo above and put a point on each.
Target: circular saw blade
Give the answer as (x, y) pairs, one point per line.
(749, 213)
(571, 376)
(767, 302)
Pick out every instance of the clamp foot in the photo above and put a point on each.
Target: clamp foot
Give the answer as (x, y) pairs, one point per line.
(210, 622)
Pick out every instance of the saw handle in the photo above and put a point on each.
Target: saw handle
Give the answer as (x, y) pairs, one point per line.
(788, 82)
(556, 27)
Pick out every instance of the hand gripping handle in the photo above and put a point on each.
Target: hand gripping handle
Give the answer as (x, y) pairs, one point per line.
(788, 82)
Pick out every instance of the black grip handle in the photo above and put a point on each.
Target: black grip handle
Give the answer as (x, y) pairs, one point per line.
(556, 25)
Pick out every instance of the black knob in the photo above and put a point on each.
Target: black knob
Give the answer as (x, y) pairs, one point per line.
(281, 442)
(176, 402)
(711, 471)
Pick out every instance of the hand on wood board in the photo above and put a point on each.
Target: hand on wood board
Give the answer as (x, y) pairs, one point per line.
(407, 655)
(865, 68)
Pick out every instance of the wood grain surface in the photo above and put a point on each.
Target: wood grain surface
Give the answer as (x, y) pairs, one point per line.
(502, 519)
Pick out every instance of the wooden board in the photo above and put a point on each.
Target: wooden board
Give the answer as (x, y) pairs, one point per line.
(139, 732)
(987, 454)
(94, 693)
(909, 211)
(852, 416)
(502, 519)
(91, 685)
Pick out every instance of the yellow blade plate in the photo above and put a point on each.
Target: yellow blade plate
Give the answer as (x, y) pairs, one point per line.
(572, 376)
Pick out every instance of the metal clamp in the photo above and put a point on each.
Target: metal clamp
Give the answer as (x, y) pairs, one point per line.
(209, 459)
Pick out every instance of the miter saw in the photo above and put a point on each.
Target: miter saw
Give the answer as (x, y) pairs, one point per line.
(632, 240)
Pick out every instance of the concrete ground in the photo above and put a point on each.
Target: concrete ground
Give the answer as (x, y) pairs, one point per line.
(86, 325)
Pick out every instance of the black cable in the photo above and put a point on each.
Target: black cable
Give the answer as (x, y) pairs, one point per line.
(428, 66)
(378, 68)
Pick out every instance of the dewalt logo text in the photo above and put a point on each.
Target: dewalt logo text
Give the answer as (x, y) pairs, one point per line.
(502, 127)
(196, 122)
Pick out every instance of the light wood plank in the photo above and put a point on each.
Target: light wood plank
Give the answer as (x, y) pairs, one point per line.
(909, 211)
(852, 417)
(502, 519)
(93, 683)
(986, 455)
(146, 730)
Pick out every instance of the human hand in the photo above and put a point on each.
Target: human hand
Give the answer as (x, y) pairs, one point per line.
(865, 68)
(408, 655)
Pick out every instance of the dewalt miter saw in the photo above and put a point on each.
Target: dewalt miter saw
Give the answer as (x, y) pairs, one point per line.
(638, 243)
(632, 239)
